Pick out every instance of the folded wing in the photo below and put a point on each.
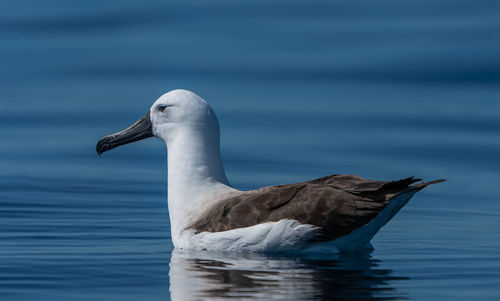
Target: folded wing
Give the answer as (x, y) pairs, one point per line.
(337, 204)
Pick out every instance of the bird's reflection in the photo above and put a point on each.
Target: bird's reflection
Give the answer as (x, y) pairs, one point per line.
(207, 275)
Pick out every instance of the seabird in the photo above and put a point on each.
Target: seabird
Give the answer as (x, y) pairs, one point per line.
(336, 212)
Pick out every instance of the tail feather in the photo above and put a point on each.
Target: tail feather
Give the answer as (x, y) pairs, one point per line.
(400, 184)
(420, 186)
(360, 237)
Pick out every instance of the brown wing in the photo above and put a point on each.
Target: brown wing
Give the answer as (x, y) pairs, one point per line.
(337, 204)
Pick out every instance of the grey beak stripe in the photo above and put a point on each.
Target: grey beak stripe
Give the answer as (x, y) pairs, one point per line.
(142, 129)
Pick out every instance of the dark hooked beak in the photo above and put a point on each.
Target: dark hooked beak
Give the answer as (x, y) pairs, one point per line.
(142, 129)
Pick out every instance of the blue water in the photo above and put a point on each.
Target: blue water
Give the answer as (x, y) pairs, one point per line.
(303, 89)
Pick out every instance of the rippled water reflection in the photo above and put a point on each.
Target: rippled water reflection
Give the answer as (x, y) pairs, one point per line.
(195, 275)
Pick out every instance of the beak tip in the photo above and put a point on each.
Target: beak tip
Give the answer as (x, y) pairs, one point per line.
(102, 146)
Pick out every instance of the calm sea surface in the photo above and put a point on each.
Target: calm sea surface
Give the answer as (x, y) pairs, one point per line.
(303, 89)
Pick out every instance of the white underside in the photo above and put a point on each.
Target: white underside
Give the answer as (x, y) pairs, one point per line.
(288, 235)
(284, 235)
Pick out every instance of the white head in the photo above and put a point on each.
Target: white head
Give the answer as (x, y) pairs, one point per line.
(181, 111)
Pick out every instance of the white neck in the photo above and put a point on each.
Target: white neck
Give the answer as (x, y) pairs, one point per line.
(196, 177)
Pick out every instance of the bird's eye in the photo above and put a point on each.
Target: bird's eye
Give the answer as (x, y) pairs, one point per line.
(162, 108)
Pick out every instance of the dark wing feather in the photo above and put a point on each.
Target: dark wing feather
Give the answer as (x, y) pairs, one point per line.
(337, 204)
